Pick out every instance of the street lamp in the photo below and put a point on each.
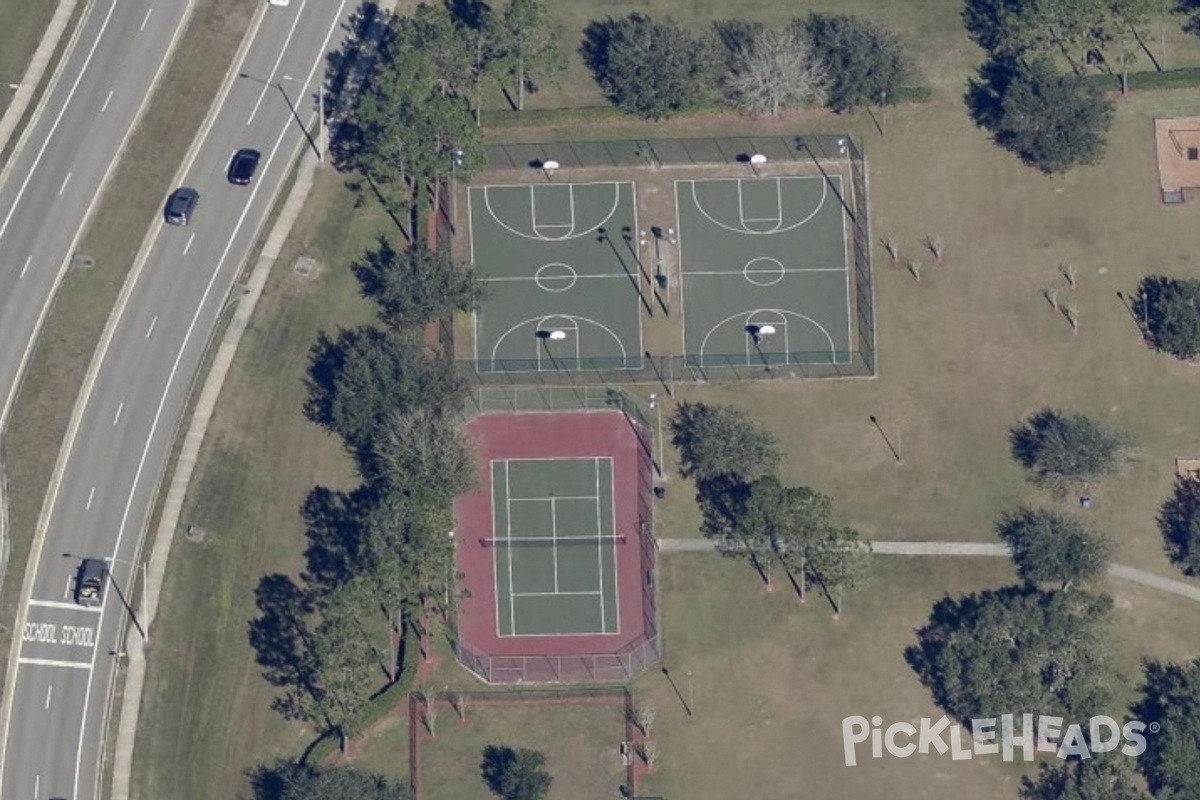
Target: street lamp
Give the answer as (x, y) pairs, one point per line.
(658, 412)
(456, 161)
(120, 594)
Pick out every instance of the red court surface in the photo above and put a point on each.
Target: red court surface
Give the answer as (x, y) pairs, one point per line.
(561, 657)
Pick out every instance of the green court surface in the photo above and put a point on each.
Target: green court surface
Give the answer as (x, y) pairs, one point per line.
(563, 284)
(764, 267)
(554, 546)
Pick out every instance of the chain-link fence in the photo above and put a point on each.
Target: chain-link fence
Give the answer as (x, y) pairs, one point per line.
(828, 153)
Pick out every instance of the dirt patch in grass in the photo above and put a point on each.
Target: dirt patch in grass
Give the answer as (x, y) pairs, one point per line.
(206, 715)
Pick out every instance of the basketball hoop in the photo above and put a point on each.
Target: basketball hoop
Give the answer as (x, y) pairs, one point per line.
(557, 336)
(548, 167)
(756, 161)
(766, 330)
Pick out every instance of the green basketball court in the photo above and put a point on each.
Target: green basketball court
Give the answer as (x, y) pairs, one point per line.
(554, 546)
(764, 267)
(564, 287)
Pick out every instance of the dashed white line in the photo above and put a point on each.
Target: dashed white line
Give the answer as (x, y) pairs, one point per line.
(25, 268)
(49, 691)
(152, 323)
(107, 100)
(37, 783)
(120, 407)
(49, 662)
(147, 19)
(188, 246)
(91, 496)
(63, 188)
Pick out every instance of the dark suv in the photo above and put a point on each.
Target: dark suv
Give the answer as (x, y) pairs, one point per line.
(241, 168)
(181, 205)
(89, 582)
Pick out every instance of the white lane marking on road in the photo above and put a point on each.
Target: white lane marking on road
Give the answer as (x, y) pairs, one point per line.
(91, 496)
(188, 246)
(107, 100)
(49, 691)
(25, 268)
(147, 19)
(269, 83)
(63, 188)
(72, 606)
(37, 782)
(61, 113)
(120, 407)
(152, 323)
(49, 662)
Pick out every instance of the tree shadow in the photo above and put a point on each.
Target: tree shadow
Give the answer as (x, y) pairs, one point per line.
(1026, 440)
(496, 763)
(986, 91)
(279, 634)
(469, 13)
(596, 47)
(326, 360)
(334, 522)
(1179, 523)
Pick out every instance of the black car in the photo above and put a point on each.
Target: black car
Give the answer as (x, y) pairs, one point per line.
(181, 205)
(241, 168)
(89, 582)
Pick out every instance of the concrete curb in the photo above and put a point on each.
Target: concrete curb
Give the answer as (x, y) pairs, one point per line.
(1119, 571)
(26, 89)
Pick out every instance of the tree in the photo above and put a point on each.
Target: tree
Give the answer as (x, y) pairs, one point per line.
(1057, 448)
(1019, 31)
(1049, 547)
(774, 521)
(1169, 311)
(361, 375)
(528, 46)
(776, 68)
(515, 774)
(1051, 121)
(866, 63)
(839, 560)
(415, 285)
(286, 780)
(1100, 777)
(1179, 521)
(1171, 762)
(649, 68)
(717, 440)
(1005, 651)
(421, 454)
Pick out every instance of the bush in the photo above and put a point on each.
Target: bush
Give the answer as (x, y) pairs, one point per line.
(1179, 521)
(1058, 448)
(865, 61)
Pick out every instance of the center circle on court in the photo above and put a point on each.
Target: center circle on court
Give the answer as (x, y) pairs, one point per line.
(555, 277)
(763, 271)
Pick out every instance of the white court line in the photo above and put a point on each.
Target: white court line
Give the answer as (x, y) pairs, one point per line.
(741, 272)
(120, 407)
(47, 662)
(487, 201)
(59, 604)
(63, 188)
(25, 268)
(533, 278)
(150, 330)
(512, 609)
(553, 539)
(107, 100)
(543, 499)
(612, 473)
(599, 542)
(557, 594)
(149, 11)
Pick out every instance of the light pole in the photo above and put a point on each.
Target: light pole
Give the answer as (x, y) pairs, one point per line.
(456, 161)
(120, 594)
(658, 412)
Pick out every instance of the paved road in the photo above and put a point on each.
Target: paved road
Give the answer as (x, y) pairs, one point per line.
(129, 414)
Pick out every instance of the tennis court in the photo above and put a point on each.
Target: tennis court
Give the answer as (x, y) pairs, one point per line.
(554, 548)
(764, 266)
(564, 285)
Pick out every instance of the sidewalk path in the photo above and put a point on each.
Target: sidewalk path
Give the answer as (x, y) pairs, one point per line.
(1118, 571)
(23, 94)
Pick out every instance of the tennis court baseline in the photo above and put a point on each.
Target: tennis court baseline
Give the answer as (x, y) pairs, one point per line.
(554, 546)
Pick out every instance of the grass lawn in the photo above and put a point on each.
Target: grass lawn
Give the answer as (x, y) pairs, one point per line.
(207, 715)
(931, 29)
(772, 680)
(580, 742)
(25, 23)
(82, 305)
